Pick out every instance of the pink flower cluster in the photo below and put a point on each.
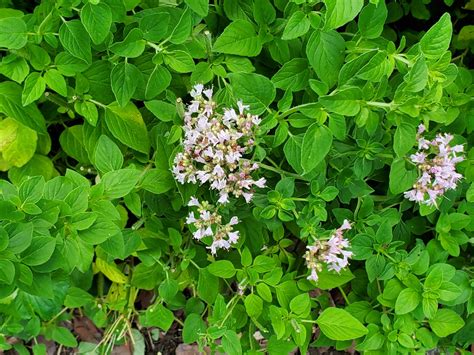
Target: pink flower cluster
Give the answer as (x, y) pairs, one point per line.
(333, 253)
(207, 222)
(214, 146)
(436, 160)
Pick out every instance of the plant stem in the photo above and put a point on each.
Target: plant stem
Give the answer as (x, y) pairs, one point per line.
(281, 172)
(344, 295)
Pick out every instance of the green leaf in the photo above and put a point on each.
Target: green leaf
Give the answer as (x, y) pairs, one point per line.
(374, 265)
(264, 292)
(201, 7)
(17, 142)
(340, 12)
(132, 46)
(33, 89)
(430, 307)
(292, 150)
(107, 155)
(124, 82)
(263, 12)
(101, 230)
(64, 337)
(154, 26)
(180, 61)
(344, 102)
(208, 286)
(163, 110)
(317, 143)
(97, 20)
(404, 139)
(338, 324)
(378, 67)
(407, 301)
(127, 125)
(13, 33)
(231, 343)
(263, 263)
(7, 272)
(222, 268)
(157, 181)
(372, 19)
(119, 183)
(449, 291)
(297, 25)
(446, 322)
(38, 165)
(31, 189)
(401, 179)
(55, 80)
(329, 279)
(238, 38)
(158, 316)
(253, 305)
(14, 67)
(301, 305)
(159, 80)
(71, 141)
(293, 75)
(75, 40)
(111, 271)
(417, 77)
(193, 327)
(182, 30)
(325, 52)
(88, 110)
(40, 251)
(436, 41)
(384, 232)
(254, 90)
(203, 73)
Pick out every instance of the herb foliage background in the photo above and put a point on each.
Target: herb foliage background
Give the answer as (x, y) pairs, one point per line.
(92, 222)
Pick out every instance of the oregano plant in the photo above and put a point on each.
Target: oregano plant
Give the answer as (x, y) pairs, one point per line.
(236, 176)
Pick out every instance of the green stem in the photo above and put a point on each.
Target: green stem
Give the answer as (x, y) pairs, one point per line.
(57, 100)
(281, 172)
(293, 110)
(388, 105)
(344, 295)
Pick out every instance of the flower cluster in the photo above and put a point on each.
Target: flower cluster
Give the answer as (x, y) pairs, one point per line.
(436, 161)
(214, 146)
(333, 253)
(207, 222)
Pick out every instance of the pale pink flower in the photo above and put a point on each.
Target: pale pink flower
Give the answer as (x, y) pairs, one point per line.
(332, 253)
(436, 160)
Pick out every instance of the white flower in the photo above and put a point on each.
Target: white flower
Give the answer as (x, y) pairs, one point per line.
(193, 202)
(260, 183)
(214, 147)
(197, 90)
(247, 196)
(346, 225)
(233, 221)
(191, 218)
(208, 93)
(224, 198)
(242, 107)
(333, 253)
(436, 160)
(233, 237)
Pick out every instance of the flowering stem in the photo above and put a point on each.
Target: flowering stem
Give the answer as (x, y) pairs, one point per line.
(281, 172)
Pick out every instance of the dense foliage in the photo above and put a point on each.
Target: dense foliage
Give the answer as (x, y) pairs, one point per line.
(250, 175)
